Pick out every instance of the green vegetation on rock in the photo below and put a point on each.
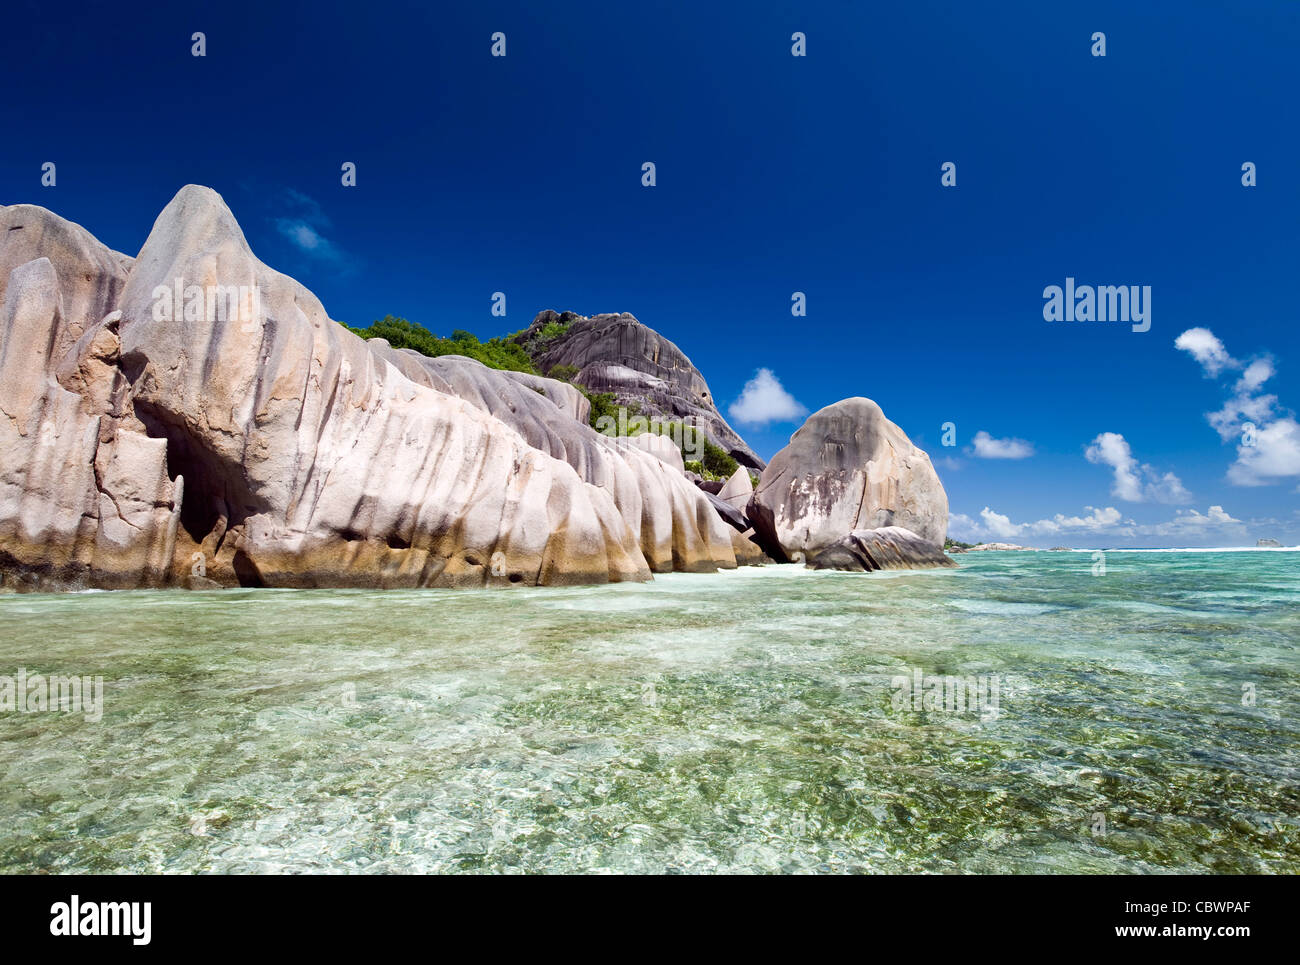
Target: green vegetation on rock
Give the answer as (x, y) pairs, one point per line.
(507, 353)
(496, 353)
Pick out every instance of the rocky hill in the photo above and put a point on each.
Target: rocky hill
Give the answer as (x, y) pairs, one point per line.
(638, 366)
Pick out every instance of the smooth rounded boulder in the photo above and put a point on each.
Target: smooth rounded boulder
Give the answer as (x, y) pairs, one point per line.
(847, 468)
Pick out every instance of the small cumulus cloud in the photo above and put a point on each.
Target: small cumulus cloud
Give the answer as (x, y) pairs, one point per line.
(1204, 346)
(1134, 482)
(764, 400)
(304, 224)
(1275, 455)
(1267, 434)
(990, 447)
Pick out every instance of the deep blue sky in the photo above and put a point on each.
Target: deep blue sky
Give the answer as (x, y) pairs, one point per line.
(775, 174)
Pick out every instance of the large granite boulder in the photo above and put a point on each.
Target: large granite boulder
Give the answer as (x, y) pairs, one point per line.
(886, 548)
(85, 499)
(676, 527)
(615, 353)
(738, 489)
(847, 468)
(661, 447)
(91, 275)
(312, 460)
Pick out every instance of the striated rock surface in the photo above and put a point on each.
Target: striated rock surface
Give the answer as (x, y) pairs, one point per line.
(91, 275)
(311, 460)
(192, 417)
(886, 548)
(661, 447)
(85, 500)
(615, 353)
(847, 468)
(676, 527)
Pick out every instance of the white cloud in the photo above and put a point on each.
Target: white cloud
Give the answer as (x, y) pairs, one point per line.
(1190, 518)
(993, 525)
(989, 447)
(1134, 483)
(998, 524)
(764, 400)
(1206, 348)
(1097, 519)
(1112, 449)
(1274, 456)
(303, 226)
(1268, 436)
(307, 239)
(1106, 523)
(1244, 405)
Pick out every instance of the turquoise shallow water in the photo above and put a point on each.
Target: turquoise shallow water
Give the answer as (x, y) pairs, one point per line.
(745, 721)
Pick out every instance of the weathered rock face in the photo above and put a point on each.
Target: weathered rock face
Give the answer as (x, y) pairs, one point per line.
(617, 354)
(847, 468)
(192, 417)
(736, 493)
(738, 489)
(661, 447)
(85, 500)
(886, 548)
(91, 275)
(313, 461)
(677, 529)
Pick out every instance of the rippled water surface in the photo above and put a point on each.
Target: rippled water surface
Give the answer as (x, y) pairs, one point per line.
(738, 722)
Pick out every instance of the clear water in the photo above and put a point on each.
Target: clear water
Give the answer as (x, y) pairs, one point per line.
(737, 722)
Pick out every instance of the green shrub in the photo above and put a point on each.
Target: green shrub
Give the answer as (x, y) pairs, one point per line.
(565, 373)
(496, 353)
(551, 331)
(604, 404)
(718, 461)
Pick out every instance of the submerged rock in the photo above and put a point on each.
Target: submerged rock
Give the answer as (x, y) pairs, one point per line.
(886, 548)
